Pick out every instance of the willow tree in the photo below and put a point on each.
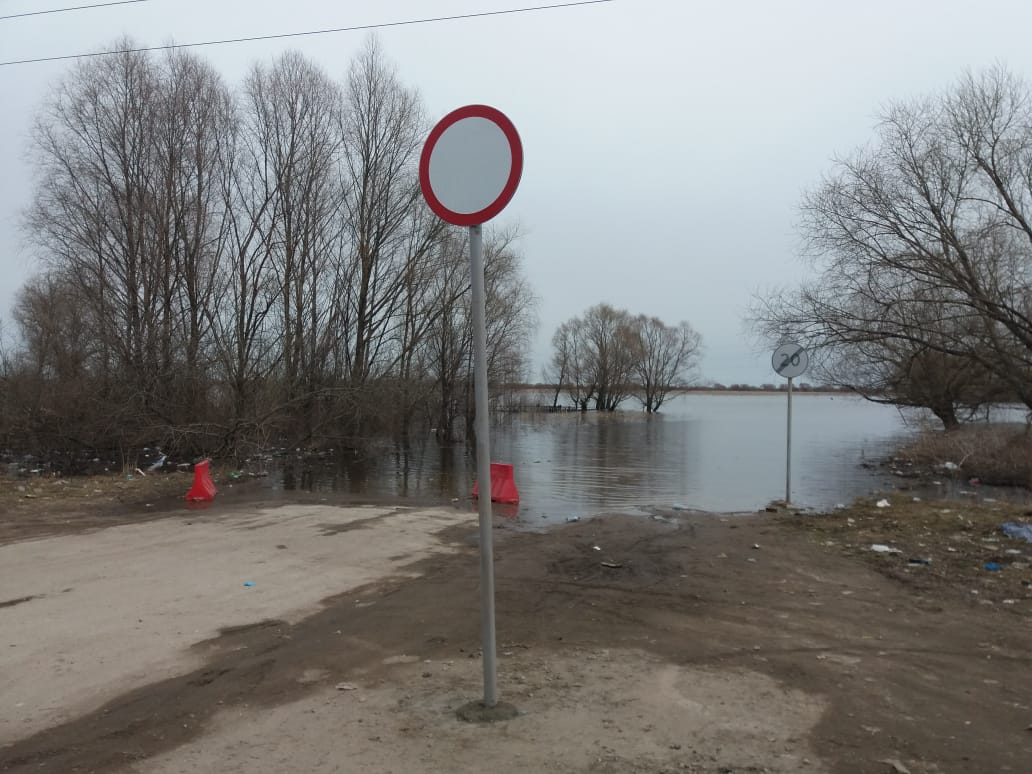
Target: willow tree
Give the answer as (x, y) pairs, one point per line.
(667, 357)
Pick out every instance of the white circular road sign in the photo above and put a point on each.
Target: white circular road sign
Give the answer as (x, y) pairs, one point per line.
(790, 360)
(471, 165)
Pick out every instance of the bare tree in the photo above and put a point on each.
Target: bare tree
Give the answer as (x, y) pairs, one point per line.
(383, 126)
(509, 313)
(666, 359)
(293, 117)
(598, 353)
(241, 269)
(129, 157)
(921, 243)
(571, 363)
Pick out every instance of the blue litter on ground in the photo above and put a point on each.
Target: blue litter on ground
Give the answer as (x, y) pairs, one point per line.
(248, 583)
(1015, 530)
(993, 567)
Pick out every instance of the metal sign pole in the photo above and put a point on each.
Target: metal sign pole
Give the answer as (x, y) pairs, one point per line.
(469, 170)
(482, 428)
(788, 451)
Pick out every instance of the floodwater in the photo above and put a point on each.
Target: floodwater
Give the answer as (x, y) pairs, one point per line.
(703, 451)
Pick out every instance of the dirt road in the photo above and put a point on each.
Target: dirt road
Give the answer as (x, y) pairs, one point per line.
(690, 642)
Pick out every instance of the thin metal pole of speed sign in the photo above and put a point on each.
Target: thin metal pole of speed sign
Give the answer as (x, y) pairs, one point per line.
(482, 428)
(788, 449)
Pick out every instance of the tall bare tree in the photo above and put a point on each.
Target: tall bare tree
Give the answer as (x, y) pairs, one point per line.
(383, 126)
(129, 154)
(294, 110)
(922, 244)
(247, 269)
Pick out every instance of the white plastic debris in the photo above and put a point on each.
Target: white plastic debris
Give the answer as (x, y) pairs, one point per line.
(883, 503)
(951, 466)
(880, 548)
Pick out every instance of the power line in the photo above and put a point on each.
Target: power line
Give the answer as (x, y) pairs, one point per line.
(73, 8)
(281, 35)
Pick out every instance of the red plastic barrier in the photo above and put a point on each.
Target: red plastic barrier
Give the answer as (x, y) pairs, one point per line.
(503, 486)
(203, 489)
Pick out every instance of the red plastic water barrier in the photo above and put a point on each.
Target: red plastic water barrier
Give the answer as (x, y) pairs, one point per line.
(503, 486)
(203, 489)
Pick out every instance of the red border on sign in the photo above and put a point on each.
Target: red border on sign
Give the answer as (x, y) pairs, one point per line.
(515, 146)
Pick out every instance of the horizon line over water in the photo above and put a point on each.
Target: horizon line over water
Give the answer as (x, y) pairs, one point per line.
(703, 451)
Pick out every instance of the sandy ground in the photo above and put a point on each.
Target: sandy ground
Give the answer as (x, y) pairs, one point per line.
(106, 612)
(686, 642)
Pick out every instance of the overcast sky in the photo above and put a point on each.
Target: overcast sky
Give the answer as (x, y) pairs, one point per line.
(667, 142)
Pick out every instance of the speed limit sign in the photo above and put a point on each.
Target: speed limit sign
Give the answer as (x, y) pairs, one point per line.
(790, 360)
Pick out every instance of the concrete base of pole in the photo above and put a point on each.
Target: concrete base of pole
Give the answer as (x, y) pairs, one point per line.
(478, 712)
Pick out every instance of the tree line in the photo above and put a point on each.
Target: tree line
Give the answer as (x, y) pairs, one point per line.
(226, 269)
(606, 355)
(921, 244)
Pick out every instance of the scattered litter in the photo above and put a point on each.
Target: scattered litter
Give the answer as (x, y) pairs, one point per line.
(896, 766)
(951, 466)
(346, 687)
(249, 584)
(1010, 601)
(918, 562)
(612, 565)
(975, 481)
(756, 546)
(883, 503)
(880, 548)
(993, 567)
(142, 474)
(937, 483)
(1013, 552)
(1015, 530)
(158, 464)
(840, 506)
(917, 499)
(572, 519)
(596, 548)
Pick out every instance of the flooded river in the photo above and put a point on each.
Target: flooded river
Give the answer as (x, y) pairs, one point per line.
(705, 451)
